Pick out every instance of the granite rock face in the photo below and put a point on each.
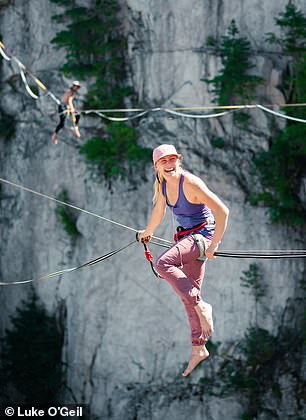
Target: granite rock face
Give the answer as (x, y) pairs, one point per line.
(126, 333)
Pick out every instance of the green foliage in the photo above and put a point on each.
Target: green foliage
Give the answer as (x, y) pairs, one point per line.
(109, 155)
(95, 49)
(246, 416)
(234, 84)
(211, 41)
(292, 23)
(253, 279)
(31, 354)
(254, 373)
(212, 347)
(242, 119)
(218, 142)
(67, 216)
(7, 125)
(282, 167)
(259, 347)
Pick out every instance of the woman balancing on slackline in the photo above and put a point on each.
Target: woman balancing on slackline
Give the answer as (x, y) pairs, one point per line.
(192, 203)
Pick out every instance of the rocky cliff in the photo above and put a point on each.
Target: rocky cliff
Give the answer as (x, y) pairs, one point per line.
(126, 334)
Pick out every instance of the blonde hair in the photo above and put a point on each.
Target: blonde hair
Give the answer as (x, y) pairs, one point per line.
(159, 179)
(159, 182)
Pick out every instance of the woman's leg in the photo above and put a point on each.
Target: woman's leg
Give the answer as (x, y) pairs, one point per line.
(173, 263)
(200, 326)
(197, 336)
(61, 123)
(198, 354)
(62, 115)
(180, 267)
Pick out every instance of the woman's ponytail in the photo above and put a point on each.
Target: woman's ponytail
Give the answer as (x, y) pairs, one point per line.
(157, 186)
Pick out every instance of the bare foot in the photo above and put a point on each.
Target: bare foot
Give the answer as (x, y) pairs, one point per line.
(198, 354)
(204, 311)
(54, 139)
(77, 132)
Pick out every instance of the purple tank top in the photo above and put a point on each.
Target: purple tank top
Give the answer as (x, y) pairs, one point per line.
(188, 214)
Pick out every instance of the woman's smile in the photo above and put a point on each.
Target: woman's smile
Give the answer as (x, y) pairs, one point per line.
(169, 170)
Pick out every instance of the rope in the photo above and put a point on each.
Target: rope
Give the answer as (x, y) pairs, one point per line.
(261, 254)
(142, 111)
(69, 270)
(150, 258)
(117, 119)
(66, 204)
(101, 113)
(173, 111)
(267, 254)
(63, 203)
(6, 57)
(167, 244)
(278, 114)
(218, 114)
(192, 108)
(23, 69)
(28, 89)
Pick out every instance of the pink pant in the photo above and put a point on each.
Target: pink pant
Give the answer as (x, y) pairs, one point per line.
(180, 267)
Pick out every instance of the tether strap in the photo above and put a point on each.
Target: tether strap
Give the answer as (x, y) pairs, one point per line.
(69, 270)
(149, 258)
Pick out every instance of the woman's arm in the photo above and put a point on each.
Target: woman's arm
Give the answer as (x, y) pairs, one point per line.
(200, 193)
(70, 104)
(156, 218)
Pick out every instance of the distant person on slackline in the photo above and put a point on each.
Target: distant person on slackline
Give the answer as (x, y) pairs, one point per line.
(67, 107)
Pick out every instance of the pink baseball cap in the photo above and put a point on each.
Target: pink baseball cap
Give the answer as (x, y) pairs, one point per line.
(163, 150)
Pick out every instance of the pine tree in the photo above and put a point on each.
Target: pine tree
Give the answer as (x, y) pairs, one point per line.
(31, 354)
(284, 165)
(234, 84)
(95, 49)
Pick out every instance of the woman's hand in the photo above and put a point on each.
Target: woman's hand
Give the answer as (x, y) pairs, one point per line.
(144, 236)
(211, 249)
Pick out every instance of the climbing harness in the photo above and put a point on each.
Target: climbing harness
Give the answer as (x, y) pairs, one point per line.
(64, 110)
(181, 232)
